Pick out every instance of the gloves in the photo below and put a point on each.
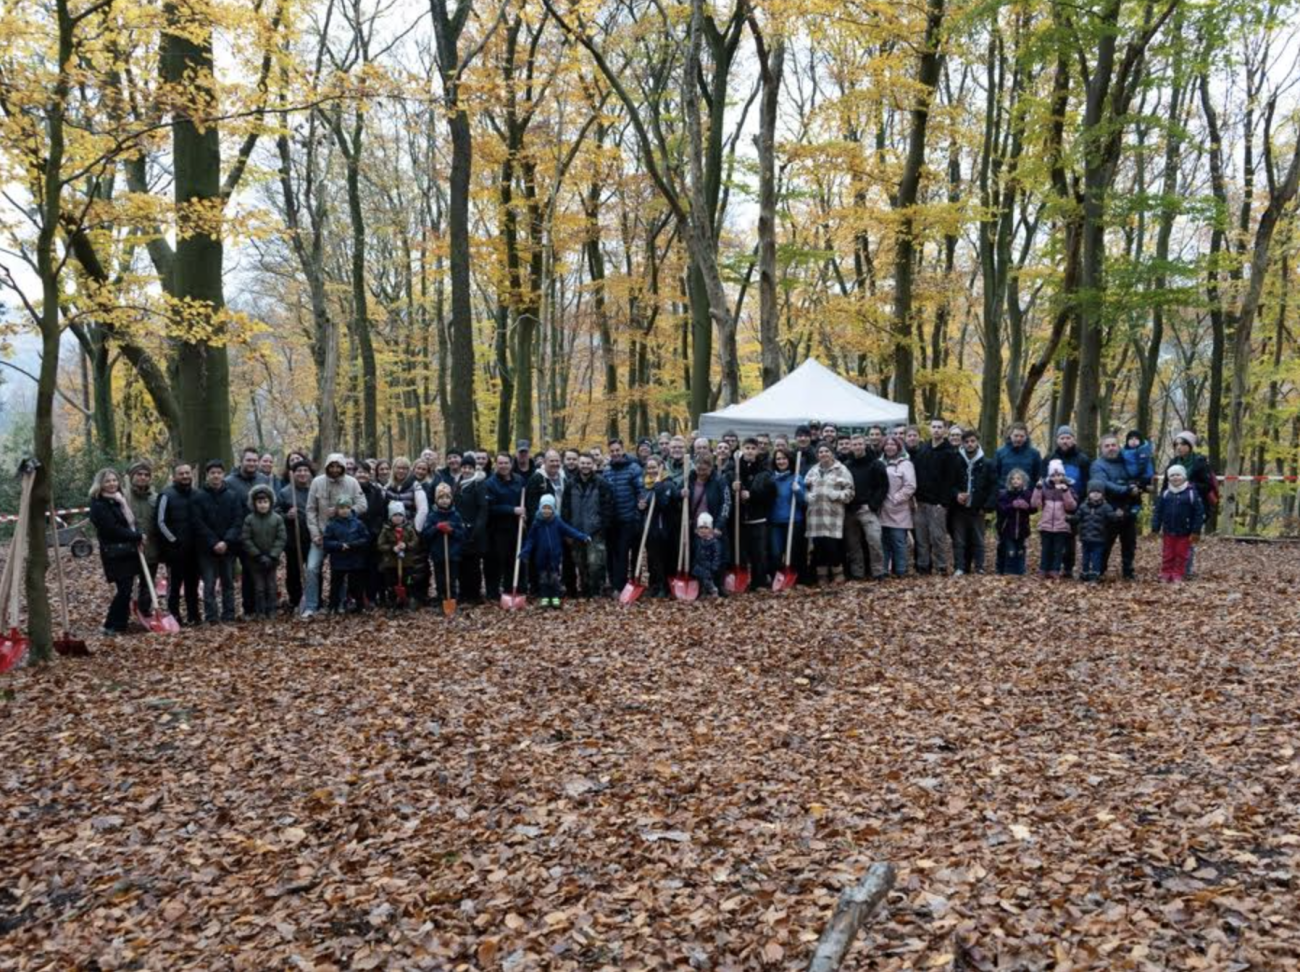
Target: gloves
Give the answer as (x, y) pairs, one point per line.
(444, 528)
(264, 561)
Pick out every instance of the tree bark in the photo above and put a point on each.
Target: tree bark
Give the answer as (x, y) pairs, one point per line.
(772, 67)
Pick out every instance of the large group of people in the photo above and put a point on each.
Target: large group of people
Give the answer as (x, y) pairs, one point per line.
(831, 505)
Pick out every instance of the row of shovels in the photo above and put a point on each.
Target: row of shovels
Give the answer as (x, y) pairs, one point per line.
(735, 579)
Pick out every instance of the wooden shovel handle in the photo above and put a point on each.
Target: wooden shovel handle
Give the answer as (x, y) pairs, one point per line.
(794, 502)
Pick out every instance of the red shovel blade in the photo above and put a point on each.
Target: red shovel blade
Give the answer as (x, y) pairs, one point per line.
(514, 602)
(160, 622)
(684, 587)
(785, 579)
(736, 580)
(160, 584)
(13, 649)
(630, 592)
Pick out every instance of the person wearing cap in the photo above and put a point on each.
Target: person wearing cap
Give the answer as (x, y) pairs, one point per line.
(142, 499)
(220, 528)
(1093, 521)
(1078, 468)
(291, 504)
(543, 549)
(347, 541)
(523, 463)
(644, 450)
(1139, 458)
(322, 506)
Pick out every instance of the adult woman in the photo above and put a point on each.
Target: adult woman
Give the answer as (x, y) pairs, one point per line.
(896, 511)
(829, 490)
(660, 538)
(119, 545)
(383, 470)
(790, 501)
(404, 487)
(708, 493)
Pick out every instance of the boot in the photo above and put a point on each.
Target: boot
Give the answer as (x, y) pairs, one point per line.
(823, 576)
(837, 576)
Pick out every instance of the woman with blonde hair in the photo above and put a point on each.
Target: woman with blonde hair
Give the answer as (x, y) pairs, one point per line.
(120, 542)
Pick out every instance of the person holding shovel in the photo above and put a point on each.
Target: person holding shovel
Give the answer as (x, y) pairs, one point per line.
(754, 494)
(443, 537)
(144, 506)
(119, 545)
(403, 557)
(291, 504)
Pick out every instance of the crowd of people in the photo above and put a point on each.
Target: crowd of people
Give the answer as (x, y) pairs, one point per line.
(571, 523)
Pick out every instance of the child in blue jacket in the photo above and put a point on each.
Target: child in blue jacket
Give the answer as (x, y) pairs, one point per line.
(347, 541)
(444, 521)
(1139, 459)
(544, 549)
(706, 556)
(1179, 516)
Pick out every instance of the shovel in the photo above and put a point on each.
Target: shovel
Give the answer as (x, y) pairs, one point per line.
(787, 576)
(14, 645)
(735, 579)
(634, 588)
(449, 602)
(684, 587)
(67, 646)
(514, 601)
(159, 622)
(400, 590)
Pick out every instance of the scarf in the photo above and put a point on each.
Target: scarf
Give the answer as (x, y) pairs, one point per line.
(126, 507)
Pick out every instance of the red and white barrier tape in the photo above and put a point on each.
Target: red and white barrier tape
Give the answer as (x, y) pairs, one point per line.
(1258, 479)
(11, 518)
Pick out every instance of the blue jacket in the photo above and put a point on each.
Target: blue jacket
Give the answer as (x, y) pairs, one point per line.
(543, 547)
(1178, 514)
(706, 557)
(784, 483)
(1114, 477)
(351, 531)
(625, 480)
(502, 496)
(432, 536)
(1077, 466)
(1026, 457)
(1140, 463)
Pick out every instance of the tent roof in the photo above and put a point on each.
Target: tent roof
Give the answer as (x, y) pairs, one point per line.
(811, 391)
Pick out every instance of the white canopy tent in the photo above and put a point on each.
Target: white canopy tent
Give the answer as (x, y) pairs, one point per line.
(811, 391)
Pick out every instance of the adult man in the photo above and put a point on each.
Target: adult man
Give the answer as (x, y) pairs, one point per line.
(765, 447)
(322, 505)
(589, 507)
(144, 507)
(220, 523)
(938, 474)
(624, 477)
(1077, 467)
(177, 525)
(977, 495)
(830, 435)
(470, 497)
(448, 474)
(523, 465)
(570, 463)
(664, 440)
(700, 447)
(1125, 497)
(1018, 454)
(862, 515)
(876, 440)
(504, 497)
(803, 445)
(374, 517)
(291, 503)
(548, 478)
(755, 490)
(241, 481)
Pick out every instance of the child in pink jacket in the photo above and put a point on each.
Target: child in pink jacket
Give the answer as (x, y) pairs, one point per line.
(1055, 499)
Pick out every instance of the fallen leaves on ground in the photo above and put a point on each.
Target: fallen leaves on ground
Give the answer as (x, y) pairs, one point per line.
(1066, 776)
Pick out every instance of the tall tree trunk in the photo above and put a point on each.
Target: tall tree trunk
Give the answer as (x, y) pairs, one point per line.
(772, 65)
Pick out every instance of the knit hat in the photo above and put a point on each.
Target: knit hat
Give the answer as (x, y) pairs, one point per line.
(343, 500)
(441, 490)
(1096, 486)
(705, 522)
(396, 508)
(1055, 466)
(1176, 469)
(140, 465)
(1185, 436)
(1064, 430)
(1134, 434)
(547, 501)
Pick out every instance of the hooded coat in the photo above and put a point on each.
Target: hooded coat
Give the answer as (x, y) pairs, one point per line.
(896, 511)
(323, 497)
(264, 534)
(544, 545)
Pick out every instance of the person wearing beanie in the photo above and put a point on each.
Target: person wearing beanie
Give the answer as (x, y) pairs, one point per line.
(1179, 516)
(142, 499)
(401, 556)
(1078, 470)
(544, 549)
(706, 555)
(444, 536)
(1092, 522)
(1054, 497)
(263, 540)
(347, 542)
(1138, 459)
(1197, 469)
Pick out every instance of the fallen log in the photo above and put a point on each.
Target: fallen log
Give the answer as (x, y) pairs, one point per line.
(852, 910)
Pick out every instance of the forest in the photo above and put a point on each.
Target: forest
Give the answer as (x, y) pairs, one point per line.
(378, 225)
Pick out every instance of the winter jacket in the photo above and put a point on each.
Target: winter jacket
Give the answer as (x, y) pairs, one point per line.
(242, 487)
(1113, 475)
(502, 497)
(350, 532)
(1026, 458)
(470, 499)
(588, 504)
(323, 497)
(785, 492)
(828, 492)
(118, 540)
(433, 537)
(1092, 520)
(178, 518)
(1139, 463)
(624, 478)
(220, 519)
(896, 511)
(1199, 477)
(1178, 513)
(144, 507)
(404, 493)
(939, 473)
(757, 480)
(376, 512)
(1077, 466)
(263, 534)
(414, 559)
(1013, 513)
(870, 481)
(714, 499)
(544, 546)
(666, 496)
(539, 486)
(1057, 505)
(289, 496)
(706, 557)
(979, 482)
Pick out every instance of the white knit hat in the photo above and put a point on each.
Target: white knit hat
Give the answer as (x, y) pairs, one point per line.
(705, 522)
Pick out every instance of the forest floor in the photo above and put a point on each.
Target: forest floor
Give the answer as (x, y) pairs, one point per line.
(1065, 776)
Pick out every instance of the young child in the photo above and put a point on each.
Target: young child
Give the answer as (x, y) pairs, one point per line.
(1056, 500)
(399, 545)
(544, 549)
(1138, 459)
(1092, 518)
(444, 521)
(347, 541)
(1179, 515)
(1014, 504)
(264, 539)
(706, 555)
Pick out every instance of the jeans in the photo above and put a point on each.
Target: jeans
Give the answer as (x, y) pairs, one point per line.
(1092, 560)
(589, 560)
(862, 524)
(1054, 547)
(967, 540)
(1011, 556)
(776, 544)
(214, 569)
(894, 541)
(930, 530)
(315, 581)
(1125, 531)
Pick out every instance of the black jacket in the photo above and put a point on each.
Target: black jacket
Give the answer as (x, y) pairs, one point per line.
(539, 486)
(178, 518)
(757, 480)
(870, 482)
(118, 540)
(980, 479)
(939, 473)
(220, 518)
(376, 514)
(470, 500)
(588, 504)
